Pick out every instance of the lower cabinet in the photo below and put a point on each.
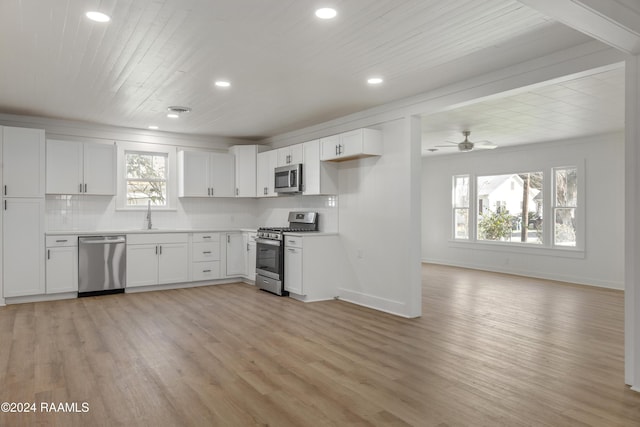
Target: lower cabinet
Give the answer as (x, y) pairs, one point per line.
(205, 256)
(23, 245)
(156, 259)
(235, 255)
(312, 266)
(61, 264)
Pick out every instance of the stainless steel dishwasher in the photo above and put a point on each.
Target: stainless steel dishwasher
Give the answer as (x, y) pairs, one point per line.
(102, 265)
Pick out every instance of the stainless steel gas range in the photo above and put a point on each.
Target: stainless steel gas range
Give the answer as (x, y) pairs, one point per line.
(270, 251)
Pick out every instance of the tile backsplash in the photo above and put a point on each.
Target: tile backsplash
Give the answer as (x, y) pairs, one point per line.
(80, 212)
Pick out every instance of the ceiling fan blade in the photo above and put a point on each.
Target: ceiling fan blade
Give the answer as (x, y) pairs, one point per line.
(488, 146)
(446, 146)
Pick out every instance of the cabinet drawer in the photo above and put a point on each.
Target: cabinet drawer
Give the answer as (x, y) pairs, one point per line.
(206, 251)
(205, 270)
(292, 241)
(70, 240)
(206, 237)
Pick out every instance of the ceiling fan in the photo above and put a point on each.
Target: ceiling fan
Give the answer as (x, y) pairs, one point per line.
(467, 145)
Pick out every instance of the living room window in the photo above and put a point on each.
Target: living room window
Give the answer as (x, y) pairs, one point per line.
(565, 204)
(461, 207)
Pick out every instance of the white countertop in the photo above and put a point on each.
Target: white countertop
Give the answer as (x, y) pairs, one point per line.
(145, 231)
(310, 234)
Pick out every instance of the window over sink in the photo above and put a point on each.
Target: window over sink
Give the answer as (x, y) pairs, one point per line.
(146, 178)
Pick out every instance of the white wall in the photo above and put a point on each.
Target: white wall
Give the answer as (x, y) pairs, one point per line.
(603, 261)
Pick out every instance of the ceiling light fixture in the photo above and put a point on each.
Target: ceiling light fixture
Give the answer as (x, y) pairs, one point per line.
(222, 83)
(326, 13)
(153, 127)
(175, 111)
(375, 80)
(98, 16)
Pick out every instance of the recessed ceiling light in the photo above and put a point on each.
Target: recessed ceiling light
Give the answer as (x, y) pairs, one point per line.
(222, 83)
(173, 115)
(98, 16)
(326, 13)
(152, 127)
(375, 80)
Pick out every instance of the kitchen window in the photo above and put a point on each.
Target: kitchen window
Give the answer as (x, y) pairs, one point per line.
(536, 208)
(146, 178)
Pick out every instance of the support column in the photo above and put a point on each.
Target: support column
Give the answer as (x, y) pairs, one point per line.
(413, 132)
(632, 228)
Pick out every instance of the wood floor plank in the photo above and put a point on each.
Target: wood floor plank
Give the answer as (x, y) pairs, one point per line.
(490, 350)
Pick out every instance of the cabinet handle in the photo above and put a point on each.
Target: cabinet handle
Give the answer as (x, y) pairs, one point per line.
(206, 271)
(156, 249)
(206, 237)
(85, 188)
(5, 205)
(206, 252)
(209, 191)
(291, 250)
(237, 191)
(5, 190)
(212, 192)
(228, 238)
(48, 254)
(247, 247)
(160, 249)
(61, 241)
(336, 150)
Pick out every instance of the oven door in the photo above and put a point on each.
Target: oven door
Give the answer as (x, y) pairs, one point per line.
(270, 258)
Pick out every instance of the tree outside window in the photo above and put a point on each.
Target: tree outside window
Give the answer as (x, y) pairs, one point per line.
(146, 178)
(565, 205)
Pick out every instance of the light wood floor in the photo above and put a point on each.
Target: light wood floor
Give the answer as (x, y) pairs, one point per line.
(490, 350)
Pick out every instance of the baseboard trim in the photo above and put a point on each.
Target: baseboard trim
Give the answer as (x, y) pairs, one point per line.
(386, 305)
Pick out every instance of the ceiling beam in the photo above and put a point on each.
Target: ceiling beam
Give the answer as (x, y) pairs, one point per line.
(609, 21)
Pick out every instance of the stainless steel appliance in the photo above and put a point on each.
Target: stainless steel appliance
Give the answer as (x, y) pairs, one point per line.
(102, 265)
(288, 179)
(270, 251)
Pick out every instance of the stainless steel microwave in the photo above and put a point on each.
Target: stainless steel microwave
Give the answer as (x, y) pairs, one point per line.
(288, 179)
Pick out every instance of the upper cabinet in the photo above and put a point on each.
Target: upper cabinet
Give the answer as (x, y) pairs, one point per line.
(352, 145)
(245, 167)
(290, 155)
(80, 168)
(267, 162)
(23, 159)
(206, 174)
(319, 177)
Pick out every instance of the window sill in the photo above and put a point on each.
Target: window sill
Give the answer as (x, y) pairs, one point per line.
(519, 249)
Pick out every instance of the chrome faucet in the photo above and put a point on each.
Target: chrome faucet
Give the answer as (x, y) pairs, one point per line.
(148, 219)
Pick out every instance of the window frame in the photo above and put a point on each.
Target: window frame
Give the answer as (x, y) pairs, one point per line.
(548, 247)
(171, 174)
(165, 180)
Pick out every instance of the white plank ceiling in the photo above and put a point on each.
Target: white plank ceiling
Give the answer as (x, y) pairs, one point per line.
(575, 108)
(287, 68)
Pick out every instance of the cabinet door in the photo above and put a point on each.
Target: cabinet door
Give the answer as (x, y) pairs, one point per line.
(193, 174)
(351, 143)
(283, 156)
(296, 153)
(173, 266)
(311, 169)
(245, 173)
(142, 265)
(23, 247)
(250, 260)
(267, 162)
(99, 169)
(23, 157)
(62, 270)
(64, 167)
(330, 147)
(235, 255)
(223, 175)
(293, 270)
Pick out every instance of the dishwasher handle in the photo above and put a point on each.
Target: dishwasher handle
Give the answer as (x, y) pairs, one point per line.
(101, 240)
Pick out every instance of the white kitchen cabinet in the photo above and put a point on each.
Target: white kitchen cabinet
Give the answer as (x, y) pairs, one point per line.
(23, 246)
(250, 257)
(235, 255)
(80, 168)
(205, 174)
(352, 145)
(205, 256)
(23, 162)
(267, 162)
(245, 169)
(290, 155)
(154, 259)
(61, 264)
(293, 281)
(319, 177)
(312, 266)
